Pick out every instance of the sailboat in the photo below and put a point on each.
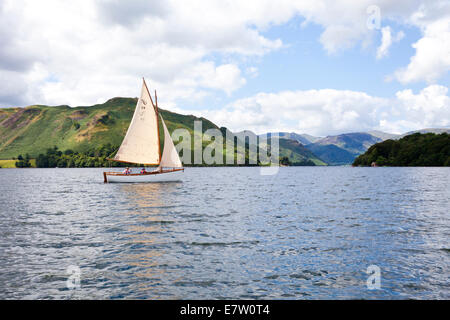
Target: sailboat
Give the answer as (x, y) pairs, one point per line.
(141, 145)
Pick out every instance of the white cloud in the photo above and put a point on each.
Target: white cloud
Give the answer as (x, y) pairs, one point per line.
(226, 77)
(429, 108)
(79, 53)
(318, 112)
(63, 52)
(432, 58)
(345, 25)
(122, 13)
(387, 38)
(328, 111)
(345, 22)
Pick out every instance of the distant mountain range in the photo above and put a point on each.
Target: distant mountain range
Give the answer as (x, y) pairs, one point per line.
(344, 148)
(293, 149)
(302, 138)
(35, 128)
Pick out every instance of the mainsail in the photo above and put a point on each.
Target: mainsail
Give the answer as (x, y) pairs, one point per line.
(141, 143)
(170, 157)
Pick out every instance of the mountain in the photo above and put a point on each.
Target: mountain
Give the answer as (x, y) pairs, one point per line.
(297, 153)
(383, 135)
(417, 149)
(36, 128)
(310, 138)
(332, 154)
(356, 143)
(246, 134)
(290, 148)
(302, 138)
(427, 130)
(339, 149)
(344, 148)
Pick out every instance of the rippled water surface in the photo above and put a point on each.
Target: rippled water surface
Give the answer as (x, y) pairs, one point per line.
(305, 233)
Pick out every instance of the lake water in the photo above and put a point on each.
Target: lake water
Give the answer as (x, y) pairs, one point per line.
(304, 233)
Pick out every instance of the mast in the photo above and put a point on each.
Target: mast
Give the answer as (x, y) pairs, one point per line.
(146, 88)
(155, 106)
(159, 136)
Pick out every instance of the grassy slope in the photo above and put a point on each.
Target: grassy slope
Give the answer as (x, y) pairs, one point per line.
(296, 152)
(35, 128)
(8, 163)
(12, 163)
(332, 154)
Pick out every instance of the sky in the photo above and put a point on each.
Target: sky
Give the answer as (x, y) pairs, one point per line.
(320, 67)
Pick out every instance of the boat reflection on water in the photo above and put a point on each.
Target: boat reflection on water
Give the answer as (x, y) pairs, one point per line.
(148, 195)
(146, 254)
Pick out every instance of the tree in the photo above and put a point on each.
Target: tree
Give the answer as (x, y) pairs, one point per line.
(42, 161)
(285, 161)
(414, 150)
(381, 161)
(23, 163)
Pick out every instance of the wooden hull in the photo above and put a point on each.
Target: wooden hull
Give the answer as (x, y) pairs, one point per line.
(163, 176)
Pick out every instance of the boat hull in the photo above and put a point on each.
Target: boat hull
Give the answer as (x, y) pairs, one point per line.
(164, 176)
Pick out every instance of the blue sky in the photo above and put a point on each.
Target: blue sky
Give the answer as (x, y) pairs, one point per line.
(292, 65)
(303, 64)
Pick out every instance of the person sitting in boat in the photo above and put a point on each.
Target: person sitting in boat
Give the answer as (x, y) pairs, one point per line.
(127, 171)
(143, 171)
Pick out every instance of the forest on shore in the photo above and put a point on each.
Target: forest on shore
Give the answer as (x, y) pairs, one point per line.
(415, 150)
(53, 157)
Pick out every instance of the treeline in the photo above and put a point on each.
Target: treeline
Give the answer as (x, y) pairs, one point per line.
(284, 161)
(54, 157)
(23, 162)
(71, 159)
(420, 150)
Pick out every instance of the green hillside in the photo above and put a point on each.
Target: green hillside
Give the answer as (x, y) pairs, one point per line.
(34, 129)
(343, 148)
(332, 154)
(414, 150)
(297, 153)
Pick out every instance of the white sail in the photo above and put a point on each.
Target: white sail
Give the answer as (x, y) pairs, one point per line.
(170, 157)
(141, 143)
